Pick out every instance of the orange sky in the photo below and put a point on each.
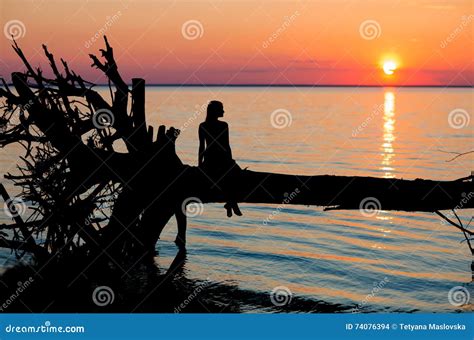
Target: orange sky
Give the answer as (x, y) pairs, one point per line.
(252, 42)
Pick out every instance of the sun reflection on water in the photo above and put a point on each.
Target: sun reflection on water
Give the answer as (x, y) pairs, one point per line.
(388, 151)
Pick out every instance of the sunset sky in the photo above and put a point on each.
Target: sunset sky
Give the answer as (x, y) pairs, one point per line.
(251, 42)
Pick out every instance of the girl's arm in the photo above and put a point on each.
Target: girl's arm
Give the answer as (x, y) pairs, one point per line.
(202, 142)
(227, 140)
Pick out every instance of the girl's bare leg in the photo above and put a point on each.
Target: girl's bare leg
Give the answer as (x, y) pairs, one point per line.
(181, 220)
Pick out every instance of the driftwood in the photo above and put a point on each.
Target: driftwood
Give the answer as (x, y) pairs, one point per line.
(87, 195)
(348, 192)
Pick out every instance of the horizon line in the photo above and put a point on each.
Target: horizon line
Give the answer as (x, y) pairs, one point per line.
(288, 85)
(293, 85)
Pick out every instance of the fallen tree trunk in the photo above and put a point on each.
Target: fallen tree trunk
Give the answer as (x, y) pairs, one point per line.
(349, 192)
(335, 192)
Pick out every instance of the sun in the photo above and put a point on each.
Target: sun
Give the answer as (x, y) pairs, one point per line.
(389, 67)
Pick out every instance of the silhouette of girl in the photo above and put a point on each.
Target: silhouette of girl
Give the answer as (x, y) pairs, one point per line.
(215, 155)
